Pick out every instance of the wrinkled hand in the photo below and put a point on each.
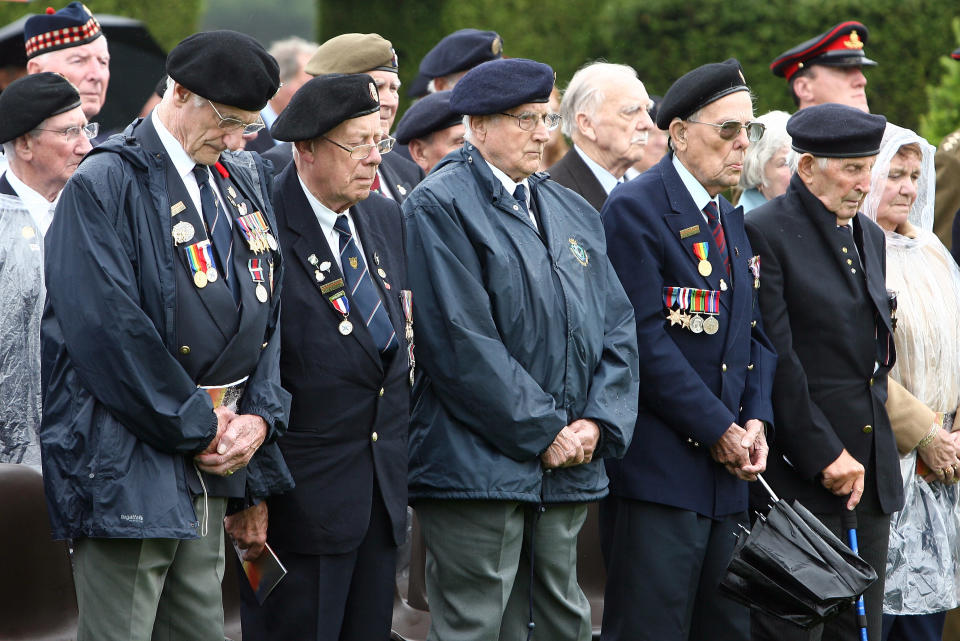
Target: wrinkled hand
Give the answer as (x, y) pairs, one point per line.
(845, 476)
(729, 450)
(589, 434)
(236, 446)
(940, 455)
(249, 529)
(755, 442)
(566, 450)
(224, 416)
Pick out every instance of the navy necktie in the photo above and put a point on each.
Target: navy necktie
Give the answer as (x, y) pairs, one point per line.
(520, 193)
(218, 225)
(713, 219)
(363, 293)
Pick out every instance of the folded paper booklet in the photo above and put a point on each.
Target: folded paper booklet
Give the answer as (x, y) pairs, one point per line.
(264, 573)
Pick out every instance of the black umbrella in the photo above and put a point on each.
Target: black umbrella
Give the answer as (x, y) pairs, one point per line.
(791, 566)
(136, 64)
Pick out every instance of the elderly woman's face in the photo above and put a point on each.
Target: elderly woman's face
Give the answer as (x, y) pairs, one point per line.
(900, 191)
(776, 175)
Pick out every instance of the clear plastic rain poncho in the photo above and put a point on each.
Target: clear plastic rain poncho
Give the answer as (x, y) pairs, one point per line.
(922, 556)
(21, 304)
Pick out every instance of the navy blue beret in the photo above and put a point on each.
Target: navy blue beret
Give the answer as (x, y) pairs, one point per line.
(841, 46)
(72, 26)
(227, 67)
(426, 116)
(323, 103)
(698, 88)
(28, 101)
(502, 84)
(836, 131)
(459, 51)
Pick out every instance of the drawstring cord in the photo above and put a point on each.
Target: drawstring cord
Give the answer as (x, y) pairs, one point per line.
(205, 523)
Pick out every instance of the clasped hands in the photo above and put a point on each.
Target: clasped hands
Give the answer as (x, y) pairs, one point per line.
(573, 445)
(742, 450)
(942, 456)
(238, 437)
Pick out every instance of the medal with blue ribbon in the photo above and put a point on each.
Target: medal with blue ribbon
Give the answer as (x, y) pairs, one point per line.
(337, 298)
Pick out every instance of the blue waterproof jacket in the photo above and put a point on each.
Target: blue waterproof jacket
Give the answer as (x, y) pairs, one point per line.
(517, 335)
(121, 416)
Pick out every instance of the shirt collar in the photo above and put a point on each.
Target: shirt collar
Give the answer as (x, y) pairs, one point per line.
(508, 183)
(38, 206)
(607, 180)
(697, 192)
(325, 216)
(268, 115)
(182, 162)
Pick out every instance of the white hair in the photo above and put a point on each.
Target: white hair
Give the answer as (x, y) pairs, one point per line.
(467, 133)
(450, 79)
(197, 99)
(288, 53)
(583, 94)
(775, 138)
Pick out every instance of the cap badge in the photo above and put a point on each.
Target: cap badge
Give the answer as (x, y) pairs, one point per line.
(393, 60)
(373, 92)
(742, 79)
(497, 46)
(854, 42)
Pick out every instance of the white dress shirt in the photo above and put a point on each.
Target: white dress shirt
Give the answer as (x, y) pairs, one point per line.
(41, 209)
(607, 180)
(327, 217)
(510, 186)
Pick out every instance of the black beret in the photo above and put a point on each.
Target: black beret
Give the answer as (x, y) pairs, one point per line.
(72, 26)
(426, 116)
(831, 130)
(841, 46)
(698, 88)
(459, 51)
(226, 67)
(323, 103)
(498, 85)
(28, 101)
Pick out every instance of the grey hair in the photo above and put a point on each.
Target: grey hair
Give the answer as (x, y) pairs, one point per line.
(288, 53)
(197, 99)
(822, 162)
(583, 95)
(467, 133)
(775, 138)
(450, 78)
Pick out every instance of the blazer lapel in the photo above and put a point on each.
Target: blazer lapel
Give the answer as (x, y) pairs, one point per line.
(690, 227)
(873, 273)
(311, 242)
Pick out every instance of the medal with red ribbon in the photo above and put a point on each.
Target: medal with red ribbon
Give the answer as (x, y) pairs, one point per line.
(255, 267)
(702, 251)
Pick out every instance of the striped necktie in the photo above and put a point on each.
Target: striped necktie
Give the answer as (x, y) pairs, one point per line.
(218, 225)
(363, 293)
(713, 219)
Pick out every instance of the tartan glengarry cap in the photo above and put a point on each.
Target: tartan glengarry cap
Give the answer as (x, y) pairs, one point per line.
(28, 101)
(227, 67)
(831, 130)
(353, 53)
(324, 102)
(841, 46)
(72, 26)
(427, 115)
(498, 85)
(459, 51)
(698, 88)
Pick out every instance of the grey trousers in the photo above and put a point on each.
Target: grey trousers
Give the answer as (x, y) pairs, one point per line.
(152, 589)
(478, 570)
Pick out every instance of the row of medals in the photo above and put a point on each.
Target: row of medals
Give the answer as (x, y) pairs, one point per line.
(694, 322)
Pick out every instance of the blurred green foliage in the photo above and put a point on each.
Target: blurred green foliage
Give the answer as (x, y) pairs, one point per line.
(169, 21)
(663, 39)
(943, 114)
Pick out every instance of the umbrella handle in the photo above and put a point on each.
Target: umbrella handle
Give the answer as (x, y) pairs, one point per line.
(768, 488)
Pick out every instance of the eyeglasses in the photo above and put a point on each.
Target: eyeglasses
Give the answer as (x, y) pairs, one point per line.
(528, 121)
(731, 129)
(89, 130)
(233, 124)
(360, 152)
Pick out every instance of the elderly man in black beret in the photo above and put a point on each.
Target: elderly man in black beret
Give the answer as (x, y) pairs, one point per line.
(71, 43)
(431, 130)
(160, 352)
(682, 255)
(344, 358)
(827, 311)
(44, 135)
(828, 68)
(527, 349)
(369, 53)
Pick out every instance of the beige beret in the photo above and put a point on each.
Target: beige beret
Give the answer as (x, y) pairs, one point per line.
(353, 53)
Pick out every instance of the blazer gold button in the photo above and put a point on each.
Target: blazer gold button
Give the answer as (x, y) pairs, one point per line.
(867, 429)
(871, 381)
(264, 346)
(373, 437)
(381, 392)
(750, 367)
(723, 367)
(185, 350)
(849, 262)
(843, 249)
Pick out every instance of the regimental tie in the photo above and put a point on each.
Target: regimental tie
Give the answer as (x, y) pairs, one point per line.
(713, 219)
(219, 227)
(363, 293)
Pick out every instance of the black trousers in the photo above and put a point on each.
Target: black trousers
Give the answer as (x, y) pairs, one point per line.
(873, 533)
(663, 568)
(336, 597)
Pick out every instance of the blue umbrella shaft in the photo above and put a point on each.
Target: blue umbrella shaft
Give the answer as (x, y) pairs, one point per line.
(861, 610)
